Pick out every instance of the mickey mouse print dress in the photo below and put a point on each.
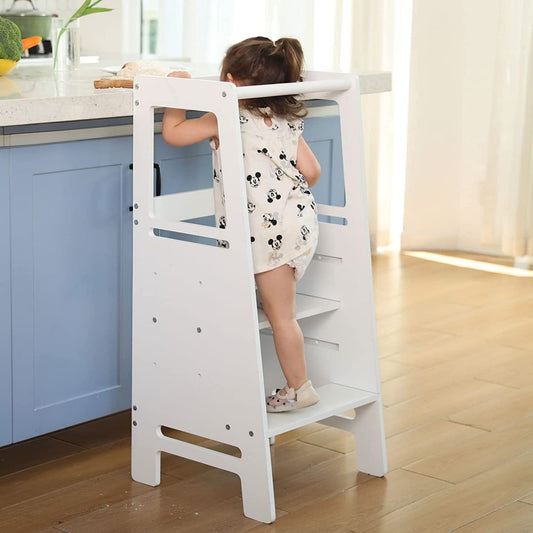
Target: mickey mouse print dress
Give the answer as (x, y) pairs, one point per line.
(282, 210)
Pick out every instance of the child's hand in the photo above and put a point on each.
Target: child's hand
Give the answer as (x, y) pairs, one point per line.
(179, 74)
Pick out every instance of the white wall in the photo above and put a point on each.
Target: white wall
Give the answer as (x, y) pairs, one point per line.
(453, 58)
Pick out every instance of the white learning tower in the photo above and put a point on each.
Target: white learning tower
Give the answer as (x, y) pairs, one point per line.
(203, 353)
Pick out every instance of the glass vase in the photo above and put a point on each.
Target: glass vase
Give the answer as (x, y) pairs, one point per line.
(66, 43)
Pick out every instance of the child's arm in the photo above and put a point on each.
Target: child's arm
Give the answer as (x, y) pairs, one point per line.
(307, 163)
(178, 131)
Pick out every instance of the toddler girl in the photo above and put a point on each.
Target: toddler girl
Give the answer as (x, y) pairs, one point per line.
(279, 168)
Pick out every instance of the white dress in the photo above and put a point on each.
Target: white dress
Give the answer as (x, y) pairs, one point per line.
(282, 210)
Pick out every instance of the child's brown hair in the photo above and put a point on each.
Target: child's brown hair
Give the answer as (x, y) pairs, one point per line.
(259, 61)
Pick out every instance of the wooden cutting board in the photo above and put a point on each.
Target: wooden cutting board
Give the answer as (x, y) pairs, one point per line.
(106, 83)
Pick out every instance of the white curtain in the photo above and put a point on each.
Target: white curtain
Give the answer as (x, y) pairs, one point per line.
(340, 35)
(469, 178)
(508, 209)
(210, 26)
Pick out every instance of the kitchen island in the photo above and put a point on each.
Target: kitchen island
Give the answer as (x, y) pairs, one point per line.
(65, 239)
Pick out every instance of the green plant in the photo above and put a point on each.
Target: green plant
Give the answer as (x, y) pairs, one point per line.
(10, 44)
(86, 8)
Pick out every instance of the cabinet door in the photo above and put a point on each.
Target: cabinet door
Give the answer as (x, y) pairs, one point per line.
(323, 136)
(5, 303)
(71, 278)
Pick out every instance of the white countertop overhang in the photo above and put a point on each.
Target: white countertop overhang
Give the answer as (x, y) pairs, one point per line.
(35, 94)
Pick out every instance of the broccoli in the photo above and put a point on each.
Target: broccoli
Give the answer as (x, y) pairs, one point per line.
(10, 43)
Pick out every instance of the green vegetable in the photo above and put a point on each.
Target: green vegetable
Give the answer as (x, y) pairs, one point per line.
(86, 8)
(10, 43)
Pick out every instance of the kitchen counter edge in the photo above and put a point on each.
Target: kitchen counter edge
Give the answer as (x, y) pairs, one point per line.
(90, 103)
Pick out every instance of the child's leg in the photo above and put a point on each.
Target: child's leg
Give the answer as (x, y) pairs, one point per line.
(277, 289)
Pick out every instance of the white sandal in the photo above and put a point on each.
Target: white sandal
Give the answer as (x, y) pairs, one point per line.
(288, 399)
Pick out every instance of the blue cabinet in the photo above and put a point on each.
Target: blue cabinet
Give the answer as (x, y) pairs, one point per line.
(71, 283)
(323, 136)
(5, 304)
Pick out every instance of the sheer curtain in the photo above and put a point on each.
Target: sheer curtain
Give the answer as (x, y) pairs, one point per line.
(469, 178)
(340, 35)
(202, 30)
(508, 210)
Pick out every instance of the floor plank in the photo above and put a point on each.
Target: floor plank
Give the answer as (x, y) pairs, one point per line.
(160, 505)
(479, 454)
(331, 439)
(97, 432)
(410, 340)
(462, 503)
(497, 412)
(352, 508)
(410, 446)
(438, 404)
(390, 369)
(223, 516)
(90, 494)
(516, 518)
(33, 452)
(446, 373)
(64, 472)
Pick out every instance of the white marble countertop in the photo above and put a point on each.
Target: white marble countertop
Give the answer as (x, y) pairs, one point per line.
(33, 93)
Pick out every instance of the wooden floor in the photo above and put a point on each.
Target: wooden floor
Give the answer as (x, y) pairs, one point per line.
(456, 348)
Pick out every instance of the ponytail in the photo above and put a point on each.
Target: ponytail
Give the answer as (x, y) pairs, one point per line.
(293, 56)
(260, 61)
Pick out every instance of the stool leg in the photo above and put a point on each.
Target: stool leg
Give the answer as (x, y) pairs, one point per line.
(256, 483)
(145, 458)
(369, 433)
(370, 439)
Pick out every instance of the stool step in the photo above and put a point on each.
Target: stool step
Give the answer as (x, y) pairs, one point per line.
(306, 306)
(334, 400)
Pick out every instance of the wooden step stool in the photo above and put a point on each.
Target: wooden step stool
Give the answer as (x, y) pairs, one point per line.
(203, 354)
